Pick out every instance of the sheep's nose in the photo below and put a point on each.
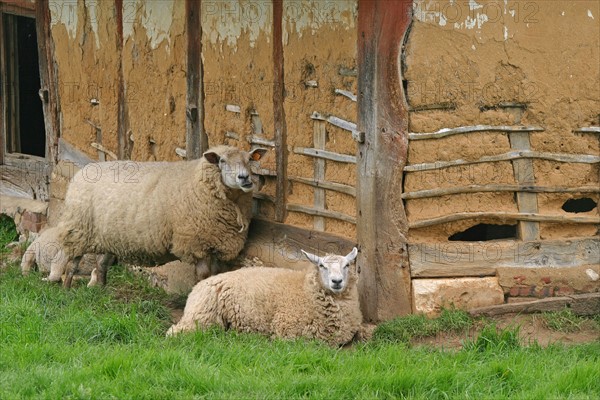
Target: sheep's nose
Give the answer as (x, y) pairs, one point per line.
(243, 177)
(336, 282)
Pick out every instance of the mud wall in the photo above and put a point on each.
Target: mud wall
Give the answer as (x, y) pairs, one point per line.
(237, 56)
(154, 77)
(149, 58)
(319, 39)
(138, 54)
(508, 63)
(502, 63)
(85, 48)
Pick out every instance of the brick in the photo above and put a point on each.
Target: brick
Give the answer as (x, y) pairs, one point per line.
(546, 280)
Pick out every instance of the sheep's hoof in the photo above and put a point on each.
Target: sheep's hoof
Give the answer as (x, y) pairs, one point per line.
(93, 278)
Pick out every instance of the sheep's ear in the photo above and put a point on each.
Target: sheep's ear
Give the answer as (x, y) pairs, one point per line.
(257, 154)
(352, 255)
(313, 258)
(212, 157)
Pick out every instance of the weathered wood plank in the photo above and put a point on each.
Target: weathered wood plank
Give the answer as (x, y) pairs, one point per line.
(524, 175)
(346, 93)
(588, 129)
(233, 108)
(48, 79)
(321, 213)
(125, 144)
(581, 304)
(336, 187)
(437, 106)
(473, 129)
(264, 196)
(3, 96)
(319, 139)
(505, 216)
(253, 139)
(280, 128)
(16, 5)
(384, 286)
(512, 155)
(104, 151)
(11, 102)
(25, 176)
(67, 151)
(357, 135)
(196, 138)
(328, 155)
(420, 194)
(279, 245)
(449, 259)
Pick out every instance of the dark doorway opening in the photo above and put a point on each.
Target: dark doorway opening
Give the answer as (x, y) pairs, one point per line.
(24, 114)
(484, 232)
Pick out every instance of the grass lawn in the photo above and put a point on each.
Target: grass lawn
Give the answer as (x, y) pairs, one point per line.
(101, 343)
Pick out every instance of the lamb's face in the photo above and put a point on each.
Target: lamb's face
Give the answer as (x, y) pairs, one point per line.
(334, 270)
(235, 167)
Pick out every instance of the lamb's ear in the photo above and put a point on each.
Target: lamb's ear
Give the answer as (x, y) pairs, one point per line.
(257, 154)
(313, 258)
(212, 157)
(352, 255)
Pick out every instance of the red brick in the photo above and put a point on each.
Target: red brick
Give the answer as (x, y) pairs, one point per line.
(564, 291)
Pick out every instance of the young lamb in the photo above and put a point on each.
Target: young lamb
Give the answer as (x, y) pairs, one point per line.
(155, 212)
(321, 303)
(47, 253)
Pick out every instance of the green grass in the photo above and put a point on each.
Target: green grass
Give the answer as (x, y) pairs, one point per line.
(564, 321)
(102, 343)
(8, 233)
(403, 330)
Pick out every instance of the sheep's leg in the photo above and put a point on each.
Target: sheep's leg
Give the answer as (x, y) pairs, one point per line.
(107, 260)
(205, 267)
(57, 268)
(27, 262)
(71, 272)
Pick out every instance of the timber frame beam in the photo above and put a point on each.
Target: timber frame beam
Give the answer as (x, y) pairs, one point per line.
(382, 114)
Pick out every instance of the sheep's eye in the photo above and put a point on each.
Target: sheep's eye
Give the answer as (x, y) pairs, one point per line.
(321, 266)
(346, 266)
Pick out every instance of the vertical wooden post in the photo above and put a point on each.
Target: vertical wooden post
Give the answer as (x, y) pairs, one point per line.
(196, 138)
(3, 95)
(278, 112)
(382, 115)
(122, 113)
(524, 175)
(48, 79)
(319, 138)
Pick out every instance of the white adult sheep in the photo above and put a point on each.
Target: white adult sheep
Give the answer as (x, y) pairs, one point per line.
(321, 303)
(155, 212)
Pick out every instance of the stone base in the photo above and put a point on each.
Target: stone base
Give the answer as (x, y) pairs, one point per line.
(431, 295)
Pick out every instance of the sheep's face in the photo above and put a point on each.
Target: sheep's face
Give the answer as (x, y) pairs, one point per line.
(235, 166)
(334, 270)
